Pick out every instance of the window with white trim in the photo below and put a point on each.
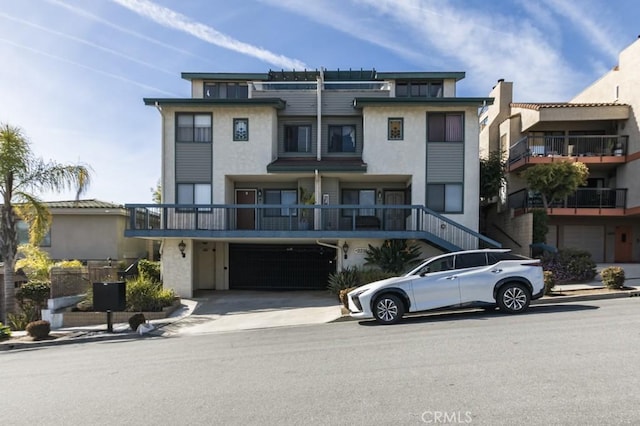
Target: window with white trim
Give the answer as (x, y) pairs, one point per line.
(445, 197)
(193, 127)
(445, 127)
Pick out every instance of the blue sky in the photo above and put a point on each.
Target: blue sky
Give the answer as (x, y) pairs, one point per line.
(74, 72)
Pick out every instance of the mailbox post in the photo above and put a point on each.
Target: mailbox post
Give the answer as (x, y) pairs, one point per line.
(109, 297)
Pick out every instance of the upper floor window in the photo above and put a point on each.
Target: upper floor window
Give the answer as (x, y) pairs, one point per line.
(297, 138)
(240, 129)
(365, 197)
(414, 89)
(342, 138)
(193, 127)
(194, 193)
(278, 196)
(445, 198)
(226, 90)
(445, 127)
(395, 129)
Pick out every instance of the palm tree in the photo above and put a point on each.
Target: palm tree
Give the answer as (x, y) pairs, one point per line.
(22, 176)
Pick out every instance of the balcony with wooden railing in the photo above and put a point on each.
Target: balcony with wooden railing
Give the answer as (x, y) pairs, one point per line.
(595, 149)
(583, 202)
(239, 222)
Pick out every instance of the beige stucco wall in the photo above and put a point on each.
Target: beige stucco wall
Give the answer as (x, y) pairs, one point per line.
(87, 236)
(408, 156)
(519, 228)
(177, 271)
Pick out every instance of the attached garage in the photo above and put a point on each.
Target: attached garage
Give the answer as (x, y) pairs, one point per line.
(280, 267)
(584, 237)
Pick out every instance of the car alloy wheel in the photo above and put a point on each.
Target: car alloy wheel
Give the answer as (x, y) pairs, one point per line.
(388, 309)
(513, 298)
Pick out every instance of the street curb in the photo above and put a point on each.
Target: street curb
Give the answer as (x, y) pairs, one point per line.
(66, 340)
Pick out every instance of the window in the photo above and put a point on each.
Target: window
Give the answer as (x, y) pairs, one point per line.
(23, 234)
(442, 264)
(363, 197)
(445, 198)
(276, 196)
(194, 193)
(395, 132)
(471, 260)
(297, 138)
(342, 138)
(193, 128)
(240, 129)
(445, 127)
(226, 91)
(414, 89)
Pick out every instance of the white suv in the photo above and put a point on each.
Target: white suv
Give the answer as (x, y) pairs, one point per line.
(486, 278)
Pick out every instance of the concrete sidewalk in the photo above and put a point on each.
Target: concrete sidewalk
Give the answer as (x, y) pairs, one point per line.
(218, 311)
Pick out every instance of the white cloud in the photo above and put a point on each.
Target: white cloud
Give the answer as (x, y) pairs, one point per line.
(88, 15)
(175, 20)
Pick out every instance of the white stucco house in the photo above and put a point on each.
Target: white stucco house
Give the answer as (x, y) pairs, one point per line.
(383, 155)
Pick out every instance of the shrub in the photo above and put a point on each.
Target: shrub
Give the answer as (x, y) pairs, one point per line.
(5, 331)
(613, 277)
(393, 256)
(347, 278)
(570, 265)
(35, 262)
(136, 320)
(149, 270)
(146, 295)
(343, 296)
(549, 282)
(28, 313)
(38, 329)
(37, 291)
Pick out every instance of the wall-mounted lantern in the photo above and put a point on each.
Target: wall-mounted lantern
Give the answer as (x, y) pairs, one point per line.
(181, 247)
(345, 249)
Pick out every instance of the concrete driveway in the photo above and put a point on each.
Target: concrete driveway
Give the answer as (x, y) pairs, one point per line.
(219, 311)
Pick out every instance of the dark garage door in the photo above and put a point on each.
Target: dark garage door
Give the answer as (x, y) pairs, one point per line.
(280, 267)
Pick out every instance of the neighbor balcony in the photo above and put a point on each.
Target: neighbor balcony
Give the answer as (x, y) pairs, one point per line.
(300, 221)
(596, 149)
(583, 202)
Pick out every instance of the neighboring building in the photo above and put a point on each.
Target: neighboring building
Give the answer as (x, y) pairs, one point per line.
(275, 180)
(88, 230)
(598, 127)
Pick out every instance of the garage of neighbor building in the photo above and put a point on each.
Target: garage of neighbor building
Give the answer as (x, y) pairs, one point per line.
(280, 267)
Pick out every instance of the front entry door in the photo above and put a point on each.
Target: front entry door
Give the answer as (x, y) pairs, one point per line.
(624, 245)
(206, 265)
(394, 218)
(245, 217)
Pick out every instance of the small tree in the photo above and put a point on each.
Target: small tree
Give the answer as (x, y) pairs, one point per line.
(555, 181)
(492, 176)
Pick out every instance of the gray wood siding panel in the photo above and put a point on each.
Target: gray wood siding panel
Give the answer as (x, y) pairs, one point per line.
(445, 162)
(193, 162)
(299, 102)
(340, 102)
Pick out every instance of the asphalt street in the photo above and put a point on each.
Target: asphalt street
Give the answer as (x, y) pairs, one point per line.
(557, 364)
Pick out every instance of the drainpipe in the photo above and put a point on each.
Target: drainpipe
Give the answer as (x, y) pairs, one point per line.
(317, 189)
(338, 250)
(319, 87)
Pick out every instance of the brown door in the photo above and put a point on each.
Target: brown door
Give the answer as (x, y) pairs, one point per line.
(624, 244)
(245, 217)
(394, 218)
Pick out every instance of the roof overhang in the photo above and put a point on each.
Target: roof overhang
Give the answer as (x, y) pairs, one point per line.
(298, 164)
(224, 76)
(366, 102)
(534, 114)
(456, 75)
(276, 103)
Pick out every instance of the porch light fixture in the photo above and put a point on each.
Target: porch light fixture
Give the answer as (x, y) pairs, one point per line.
(379, 195)
(259, 193)
(345, 249)
(181, 247)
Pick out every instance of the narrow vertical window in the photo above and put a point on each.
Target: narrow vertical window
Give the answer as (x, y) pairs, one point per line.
(240, 129)
(395, 132)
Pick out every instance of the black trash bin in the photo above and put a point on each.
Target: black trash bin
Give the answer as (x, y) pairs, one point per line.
(110, 296)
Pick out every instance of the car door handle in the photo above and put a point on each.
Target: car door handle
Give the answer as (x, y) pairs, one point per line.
(452, 277)
(495, 271)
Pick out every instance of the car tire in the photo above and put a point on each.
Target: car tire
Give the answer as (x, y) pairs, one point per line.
(513, 298)
(388, 309)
